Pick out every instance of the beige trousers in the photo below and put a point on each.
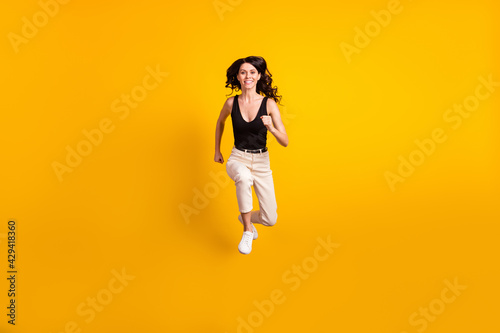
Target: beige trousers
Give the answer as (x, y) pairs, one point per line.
(247, 170)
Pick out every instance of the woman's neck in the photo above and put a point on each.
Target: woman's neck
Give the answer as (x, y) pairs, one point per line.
(249, 95)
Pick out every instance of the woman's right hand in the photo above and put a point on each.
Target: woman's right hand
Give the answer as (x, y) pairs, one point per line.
(218, 157)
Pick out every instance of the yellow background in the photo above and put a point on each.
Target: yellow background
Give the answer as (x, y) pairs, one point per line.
(347, 122)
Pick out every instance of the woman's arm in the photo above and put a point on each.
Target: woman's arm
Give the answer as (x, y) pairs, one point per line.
(219, 128)
(274, 124)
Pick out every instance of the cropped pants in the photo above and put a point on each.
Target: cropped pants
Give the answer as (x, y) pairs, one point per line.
(247, 170)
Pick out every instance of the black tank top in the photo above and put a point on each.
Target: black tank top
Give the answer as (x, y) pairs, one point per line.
(249, 135)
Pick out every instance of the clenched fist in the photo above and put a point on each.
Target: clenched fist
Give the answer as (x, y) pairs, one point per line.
(268, 122)
(218, 157)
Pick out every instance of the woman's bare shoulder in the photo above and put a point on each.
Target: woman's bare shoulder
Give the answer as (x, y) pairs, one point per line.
(230, 101)
(227, 107)
(228, 104)
(271, 105)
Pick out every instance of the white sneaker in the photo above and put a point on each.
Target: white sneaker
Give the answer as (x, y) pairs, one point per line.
(255, 234)
(245, 246)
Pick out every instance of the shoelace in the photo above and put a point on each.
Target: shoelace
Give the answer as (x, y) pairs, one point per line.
(247, 238)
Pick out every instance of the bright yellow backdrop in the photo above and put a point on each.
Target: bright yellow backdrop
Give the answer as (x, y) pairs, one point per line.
(351, 118)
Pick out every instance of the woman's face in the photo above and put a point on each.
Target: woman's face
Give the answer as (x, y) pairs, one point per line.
(248, 76)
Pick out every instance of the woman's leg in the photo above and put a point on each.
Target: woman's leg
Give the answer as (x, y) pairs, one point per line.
(238, 168)
(243, 180)
(247, 224)
(263, 185)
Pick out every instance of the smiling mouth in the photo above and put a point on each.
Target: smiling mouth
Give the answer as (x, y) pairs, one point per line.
(248, 82)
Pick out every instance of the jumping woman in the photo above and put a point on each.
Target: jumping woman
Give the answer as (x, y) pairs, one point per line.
(254, 112)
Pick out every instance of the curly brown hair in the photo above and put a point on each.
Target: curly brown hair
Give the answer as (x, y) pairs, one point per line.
(264, 85)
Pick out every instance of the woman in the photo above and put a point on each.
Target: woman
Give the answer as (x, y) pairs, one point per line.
(253, 115)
